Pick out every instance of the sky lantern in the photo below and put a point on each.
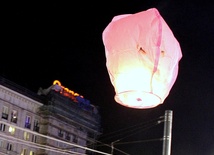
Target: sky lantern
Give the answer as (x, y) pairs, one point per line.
(142, 57)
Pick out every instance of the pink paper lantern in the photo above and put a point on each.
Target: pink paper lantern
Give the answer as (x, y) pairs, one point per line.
(142, 57)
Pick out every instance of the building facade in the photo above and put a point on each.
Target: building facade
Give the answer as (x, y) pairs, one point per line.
(50, 122)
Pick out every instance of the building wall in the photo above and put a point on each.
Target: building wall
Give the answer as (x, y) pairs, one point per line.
(64, 136)
(25, 128)
(15, 134)
(65, 121)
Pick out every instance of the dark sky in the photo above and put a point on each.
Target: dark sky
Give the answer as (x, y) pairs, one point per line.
(44, 41)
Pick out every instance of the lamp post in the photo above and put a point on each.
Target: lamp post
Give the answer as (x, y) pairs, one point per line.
(167, 135)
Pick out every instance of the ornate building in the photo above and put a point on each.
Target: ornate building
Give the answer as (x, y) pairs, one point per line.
(49, 122)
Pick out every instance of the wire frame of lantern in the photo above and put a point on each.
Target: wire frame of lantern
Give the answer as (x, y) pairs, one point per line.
(142, 57)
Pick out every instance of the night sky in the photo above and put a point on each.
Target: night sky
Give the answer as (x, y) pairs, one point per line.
(47, 41)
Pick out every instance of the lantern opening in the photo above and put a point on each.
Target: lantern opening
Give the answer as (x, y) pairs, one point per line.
(137, 99)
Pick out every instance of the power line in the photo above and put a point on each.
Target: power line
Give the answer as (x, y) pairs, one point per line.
(133, 128)
(48, 137)
(140, 141)
(36, 145)
(103, 144)
(142, 129)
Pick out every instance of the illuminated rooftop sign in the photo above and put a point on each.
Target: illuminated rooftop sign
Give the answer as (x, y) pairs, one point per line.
(82, 102)
(65, 91)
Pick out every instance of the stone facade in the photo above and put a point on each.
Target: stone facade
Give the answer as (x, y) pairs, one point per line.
(32, 124)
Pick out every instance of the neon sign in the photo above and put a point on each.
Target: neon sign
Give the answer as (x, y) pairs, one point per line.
(65, 91)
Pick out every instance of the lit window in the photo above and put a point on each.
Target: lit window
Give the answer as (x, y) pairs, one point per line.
(14, 116)
(24, 152)
(5, 112)
(27, 122)
(12, 130)
(26, 135)
(31, 153)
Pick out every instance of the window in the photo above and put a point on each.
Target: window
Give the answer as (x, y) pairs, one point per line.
(60, 133)
(36, 126)
(12, 130)
(14, 116)
(5, 112)
(61, 145)
(2, 127)
(26, 135)
(27, 122)
(75, 139)
(67, 136)
(24, 152)
(81, 142)
(32, 153)
(34, 138)
(1, 143)
(9, 146)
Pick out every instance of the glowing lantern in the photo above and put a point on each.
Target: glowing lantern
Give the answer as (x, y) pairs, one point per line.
(142, 58)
